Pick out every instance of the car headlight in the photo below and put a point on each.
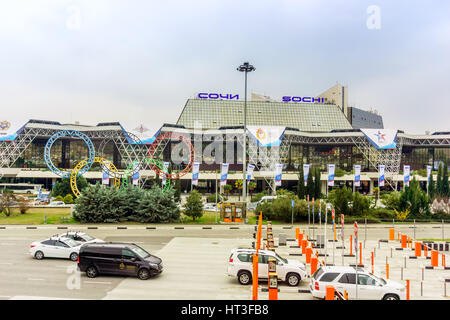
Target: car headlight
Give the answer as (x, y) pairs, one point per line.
(154, 266)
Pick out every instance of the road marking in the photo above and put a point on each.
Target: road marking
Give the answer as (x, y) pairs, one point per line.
(97, 282)
(6, 263)
(34, 279)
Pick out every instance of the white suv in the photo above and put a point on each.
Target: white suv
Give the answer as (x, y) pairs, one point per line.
(342, 278)
(240, 265)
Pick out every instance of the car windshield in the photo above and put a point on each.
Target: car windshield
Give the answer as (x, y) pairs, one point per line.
(282, 259)
(381, 280)
(88, 237)
(140, 252)
(70, 242)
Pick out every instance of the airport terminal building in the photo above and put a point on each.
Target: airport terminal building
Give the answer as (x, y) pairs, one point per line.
(318, 131)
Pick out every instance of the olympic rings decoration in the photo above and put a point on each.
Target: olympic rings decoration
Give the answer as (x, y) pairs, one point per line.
(136, 164)
(82, 164)
(73, 133)
(157, 142)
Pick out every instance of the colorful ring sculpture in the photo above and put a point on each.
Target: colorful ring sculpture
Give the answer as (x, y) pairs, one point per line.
(154, 147)
(73, 133)
(82, 164)
(130, 170)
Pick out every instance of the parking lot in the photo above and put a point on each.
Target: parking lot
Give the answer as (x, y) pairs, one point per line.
(195, 261)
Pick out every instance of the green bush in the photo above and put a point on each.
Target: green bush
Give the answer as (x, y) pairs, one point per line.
(194, 205)
(59, 198)
(360, 220)
(158, 206)
(340, 199)
(382, 213)
(212, 198)
(259, 195)
(391, 200)
(62, 188)
(360, 205)
(68, 199)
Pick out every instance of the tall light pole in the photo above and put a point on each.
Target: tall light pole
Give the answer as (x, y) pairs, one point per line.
(245, 67)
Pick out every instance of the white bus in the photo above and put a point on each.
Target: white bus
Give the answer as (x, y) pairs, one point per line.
(27, 188)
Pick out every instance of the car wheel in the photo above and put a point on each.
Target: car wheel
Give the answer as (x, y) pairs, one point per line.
(74, 256)
(244, 278)
(391, 297)
(91, 272)
(39, 255)
(143, 274)
(293, 279)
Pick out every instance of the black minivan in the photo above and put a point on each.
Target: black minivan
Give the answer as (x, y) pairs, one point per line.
(118, 258)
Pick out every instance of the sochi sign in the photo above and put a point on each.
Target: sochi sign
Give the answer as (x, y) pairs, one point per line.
(302, 99)
(215, 96)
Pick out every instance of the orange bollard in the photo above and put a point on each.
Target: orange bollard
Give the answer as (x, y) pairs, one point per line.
(304, 243)
(418, 251)
(345, 295)
(443, 260)
(407, 289)
(404, 238)
(314, 262)
(434, 258)
(391, 234)
(387, 270)
(300, 237)
(255, 276)
(372, 261)
(308, 255)
(351, 245)
(426, 250)
(329, 293)
(297, 231)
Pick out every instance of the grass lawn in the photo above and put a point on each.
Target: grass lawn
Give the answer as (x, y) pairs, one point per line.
(36, 216)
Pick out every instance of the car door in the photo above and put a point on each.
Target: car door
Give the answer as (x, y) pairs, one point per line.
(281, 269)
(368, 288)
(129, 262)
(347, 282)
(109, 260)
(62, 249)
(49, 249)
(263, 267)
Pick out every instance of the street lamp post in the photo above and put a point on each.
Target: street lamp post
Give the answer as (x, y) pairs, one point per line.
(245, 67)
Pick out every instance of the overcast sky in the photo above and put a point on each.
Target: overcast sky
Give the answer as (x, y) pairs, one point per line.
(138, 61)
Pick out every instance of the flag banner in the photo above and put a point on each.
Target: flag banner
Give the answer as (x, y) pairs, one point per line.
(266, 136)
(195, 173)
(224, 174)
(381, 175)
(278, 173)
(135, 178)
(356, 236)
(331, 168)
(305, 173)
(142, 132)
(357, 175)
(406, 172)
(10, 129)
(332, 218)
(381, 138)
(105, 178)
(166, 166)
(429, 173)
(320, 210)
(250, 169)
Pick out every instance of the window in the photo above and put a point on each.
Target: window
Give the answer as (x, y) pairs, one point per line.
(49, 242)
(365, 280)
(61, 244)
(318, 273)
(328, 277)
(348, 278)
(127, 254)
(243, 257)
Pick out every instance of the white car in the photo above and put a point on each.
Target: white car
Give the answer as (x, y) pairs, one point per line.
(240, 265)
(342, 278)
(55, 247)
(57, 203)
(80, 237)
(209, 207)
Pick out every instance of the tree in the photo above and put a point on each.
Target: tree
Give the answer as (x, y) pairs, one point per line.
(6, 201)
(194, 205)
(445, 186)
(24, 205)
(251, 186)
(157, 206)
(317, 191)
(227, 189)
(439, 181)
(301, 190)
(62, 188)
(238, 184)
(177, 188)
(310, 185)
(340, 199)
(415, 200)
(431, 187)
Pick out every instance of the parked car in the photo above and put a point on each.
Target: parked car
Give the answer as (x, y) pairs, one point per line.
(342, 278)
(55, 247)
(209, 207)
(80, 237)
(57, 203)
(240, 265)
(125, 259)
